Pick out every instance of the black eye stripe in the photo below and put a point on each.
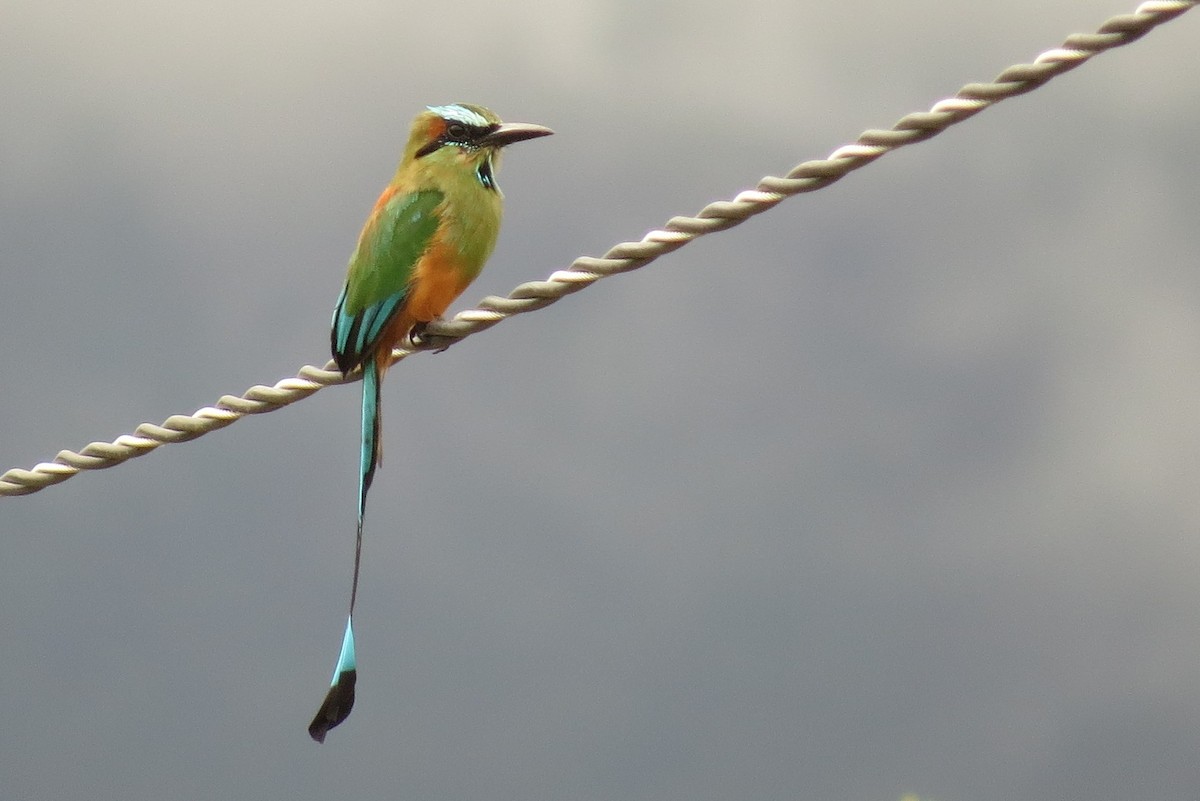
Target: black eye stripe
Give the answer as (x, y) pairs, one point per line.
(457, 133)
(461, 134)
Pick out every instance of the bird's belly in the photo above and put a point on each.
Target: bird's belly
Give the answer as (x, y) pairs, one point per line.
(440, 277)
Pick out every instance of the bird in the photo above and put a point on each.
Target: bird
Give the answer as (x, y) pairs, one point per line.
(426, 239)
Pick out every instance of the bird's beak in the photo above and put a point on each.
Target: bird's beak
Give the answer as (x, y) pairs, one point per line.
(510, 132)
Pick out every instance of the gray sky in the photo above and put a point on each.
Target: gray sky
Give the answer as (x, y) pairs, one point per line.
(891, 490)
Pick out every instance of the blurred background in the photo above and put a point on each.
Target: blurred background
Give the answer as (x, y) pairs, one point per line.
(891, 490)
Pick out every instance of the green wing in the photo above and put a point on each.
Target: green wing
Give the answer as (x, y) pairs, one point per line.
(381, 271)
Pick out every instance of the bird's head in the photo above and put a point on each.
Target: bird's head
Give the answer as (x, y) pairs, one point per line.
(465, 137)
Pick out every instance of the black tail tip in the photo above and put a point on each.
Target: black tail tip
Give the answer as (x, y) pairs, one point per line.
(336, 706)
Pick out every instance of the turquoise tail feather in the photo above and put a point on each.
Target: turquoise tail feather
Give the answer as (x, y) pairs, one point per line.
(340, 698)
(369, 455)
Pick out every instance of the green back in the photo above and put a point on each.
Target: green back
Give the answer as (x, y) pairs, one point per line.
(382, 266)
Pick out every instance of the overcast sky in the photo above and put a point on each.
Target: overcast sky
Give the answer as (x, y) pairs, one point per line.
(891, 490)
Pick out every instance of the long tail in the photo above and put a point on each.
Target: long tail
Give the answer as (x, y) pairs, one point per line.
(340, 698)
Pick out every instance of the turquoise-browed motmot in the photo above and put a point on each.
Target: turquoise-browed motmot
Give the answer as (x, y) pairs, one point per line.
(427, 238)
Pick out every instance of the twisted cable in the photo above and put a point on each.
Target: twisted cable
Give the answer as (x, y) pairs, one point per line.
(586, 270)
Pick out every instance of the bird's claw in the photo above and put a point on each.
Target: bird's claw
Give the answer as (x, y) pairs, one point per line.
(419, 338)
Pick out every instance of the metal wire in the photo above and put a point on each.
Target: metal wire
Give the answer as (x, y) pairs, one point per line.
(586, 270)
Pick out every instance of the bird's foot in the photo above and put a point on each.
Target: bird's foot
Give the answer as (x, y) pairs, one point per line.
(420, 339)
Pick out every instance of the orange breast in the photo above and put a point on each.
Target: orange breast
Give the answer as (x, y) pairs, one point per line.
(439, 278)
(437, 281)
